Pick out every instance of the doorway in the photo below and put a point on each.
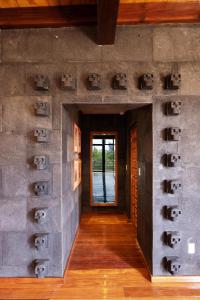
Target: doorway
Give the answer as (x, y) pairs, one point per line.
(112, 191)
(103, 168)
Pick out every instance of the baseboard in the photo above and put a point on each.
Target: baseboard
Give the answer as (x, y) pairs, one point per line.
(31, 280)
(165, 279)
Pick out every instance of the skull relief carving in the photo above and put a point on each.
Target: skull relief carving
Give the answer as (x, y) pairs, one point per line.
(94, 81)
(173, 81)
(40, 215)
(42, 109)
(172, 212)
(41, 188)
(172, 264)
(146, 82)
(119, 81)
(172, 238)
(173, 108)
(41, 162)
(42, 135)
(41, 268)
(172, 159)
(172, 134)
(68, 82)
(41, 82)
(41, 241)
(172, 186)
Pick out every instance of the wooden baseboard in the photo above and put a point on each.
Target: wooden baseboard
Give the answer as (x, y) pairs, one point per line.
(166, 279)
(31, 280)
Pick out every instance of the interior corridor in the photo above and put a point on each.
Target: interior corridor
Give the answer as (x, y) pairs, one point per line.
(105, 264)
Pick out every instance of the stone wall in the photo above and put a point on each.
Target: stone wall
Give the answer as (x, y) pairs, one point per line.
(139, 49)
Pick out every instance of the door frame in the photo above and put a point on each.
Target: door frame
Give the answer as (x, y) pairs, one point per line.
(133, 189)
(115, 203)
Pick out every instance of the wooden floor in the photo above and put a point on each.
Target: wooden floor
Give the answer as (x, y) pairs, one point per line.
(105, 264)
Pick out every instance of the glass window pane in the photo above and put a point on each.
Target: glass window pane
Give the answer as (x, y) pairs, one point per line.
(103, 169)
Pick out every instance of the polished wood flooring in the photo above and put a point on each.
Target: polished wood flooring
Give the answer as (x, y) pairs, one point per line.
(106, 263)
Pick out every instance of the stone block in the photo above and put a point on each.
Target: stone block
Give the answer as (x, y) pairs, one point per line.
(12, 149)
(53, 223)
(176, 43)
(190, 73)
(131, 44)
(16, 249)
(19, 116)
(12, 80)
(14, 180)
(33, 45)
(13, 214)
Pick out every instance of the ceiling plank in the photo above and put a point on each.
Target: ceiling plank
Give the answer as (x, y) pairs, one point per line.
(35, 3)
(159, 12)
(58, 16)
(107, 12)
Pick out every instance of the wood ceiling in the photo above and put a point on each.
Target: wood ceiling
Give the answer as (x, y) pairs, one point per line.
(107, 13)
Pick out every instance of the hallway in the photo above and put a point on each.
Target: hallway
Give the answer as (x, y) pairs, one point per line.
(105, 264)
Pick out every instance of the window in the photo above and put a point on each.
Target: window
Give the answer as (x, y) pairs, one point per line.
(103, 169)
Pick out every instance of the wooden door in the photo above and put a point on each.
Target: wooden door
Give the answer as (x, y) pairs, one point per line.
(133, 171)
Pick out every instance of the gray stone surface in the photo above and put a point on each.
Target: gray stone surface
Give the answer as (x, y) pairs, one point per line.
(132, 44)
(16, 249)
(14, 180)
(12, 80)
(13, 214)
(12, 149)
(53, 44)
(176, 43)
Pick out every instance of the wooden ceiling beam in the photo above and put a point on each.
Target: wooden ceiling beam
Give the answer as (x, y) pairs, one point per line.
(159, 12)
(107, 13)
(55, 16)
(77, 15)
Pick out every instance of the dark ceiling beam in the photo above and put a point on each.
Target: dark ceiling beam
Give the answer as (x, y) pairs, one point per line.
(107, 13)
(55, 16)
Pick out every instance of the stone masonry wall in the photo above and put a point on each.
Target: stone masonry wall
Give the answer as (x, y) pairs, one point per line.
(25, 53)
